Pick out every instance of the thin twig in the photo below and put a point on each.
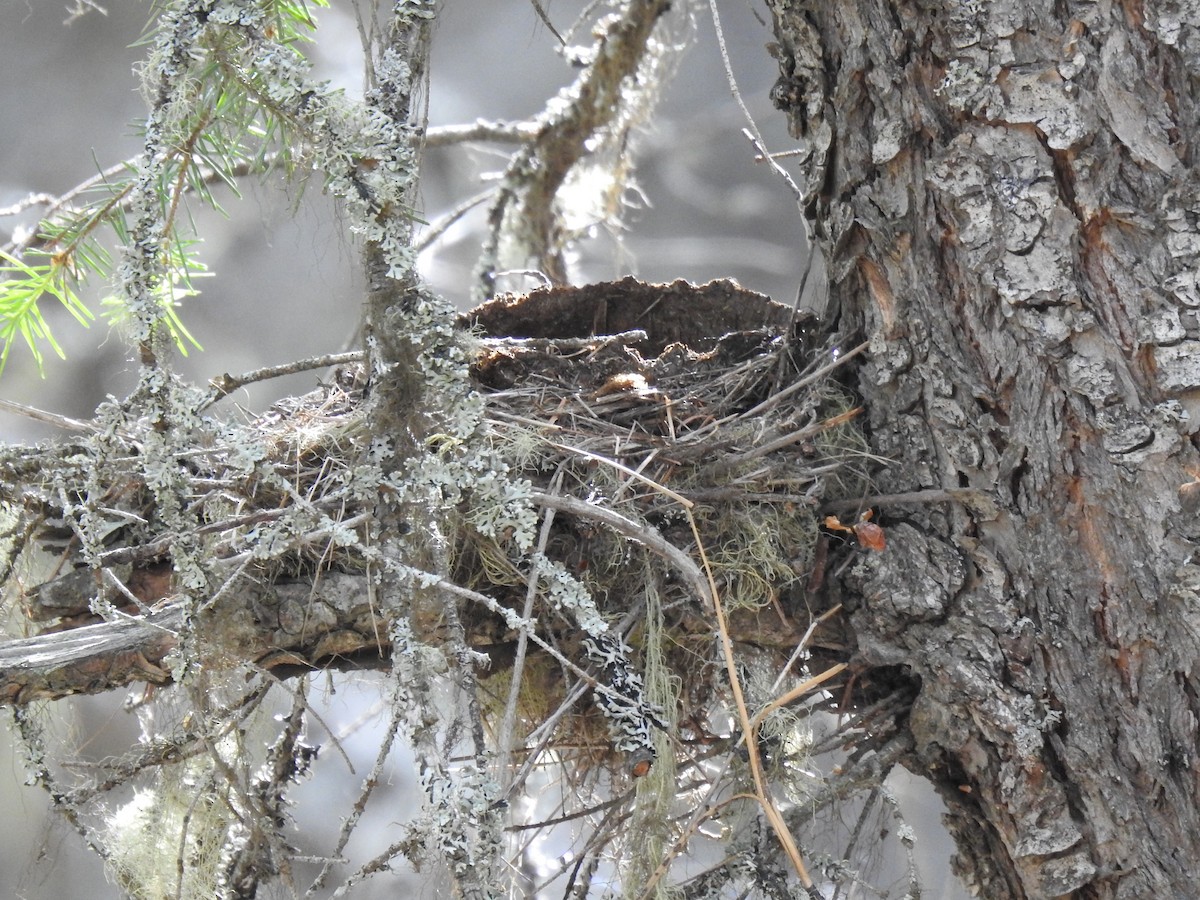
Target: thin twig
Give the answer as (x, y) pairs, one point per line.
(225, 384)
(545, 17)
(909, 498)
(508, 723)
(748, 729)
(786, 440)
(802, 646)
(40, 415)
(25, 203)
(775, 399)
(430, 235)
(364, 795)
(482, 130)
(662, 489)
(643, 534)
(798, 691)
(756, 135)
(525, 625)
(542, 735)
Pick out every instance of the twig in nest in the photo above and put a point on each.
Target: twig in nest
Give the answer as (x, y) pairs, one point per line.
(508, 722)
(766, 448)
(749, 727)
(806, 381)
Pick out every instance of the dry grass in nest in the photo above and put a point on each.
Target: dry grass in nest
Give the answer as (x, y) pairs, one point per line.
(712, 422)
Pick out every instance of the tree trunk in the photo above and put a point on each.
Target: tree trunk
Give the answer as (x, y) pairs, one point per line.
(1005, 194)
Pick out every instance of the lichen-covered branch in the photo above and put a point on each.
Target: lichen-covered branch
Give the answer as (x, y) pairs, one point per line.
(589, 121)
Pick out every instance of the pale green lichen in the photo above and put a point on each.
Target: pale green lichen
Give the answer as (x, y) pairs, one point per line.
(170, 841)
(465, 835)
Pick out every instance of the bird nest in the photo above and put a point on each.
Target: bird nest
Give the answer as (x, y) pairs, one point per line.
(658, 422)
(679, 442)
(706, 417)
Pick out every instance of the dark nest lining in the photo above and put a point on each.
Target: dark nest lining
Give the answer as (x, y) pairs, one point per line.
(678, 313)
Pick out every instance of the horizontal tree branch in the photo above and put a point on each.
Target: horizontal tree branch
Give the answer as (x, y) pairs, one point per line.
(287, 626)
(293, 626)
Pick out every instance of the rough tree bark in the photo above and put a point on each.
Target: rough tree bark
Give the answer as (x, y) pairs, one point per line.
(1006, 197)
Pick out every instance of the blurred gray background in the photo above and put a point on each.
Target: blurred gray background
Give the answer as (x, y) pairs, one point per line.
(287, 285)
